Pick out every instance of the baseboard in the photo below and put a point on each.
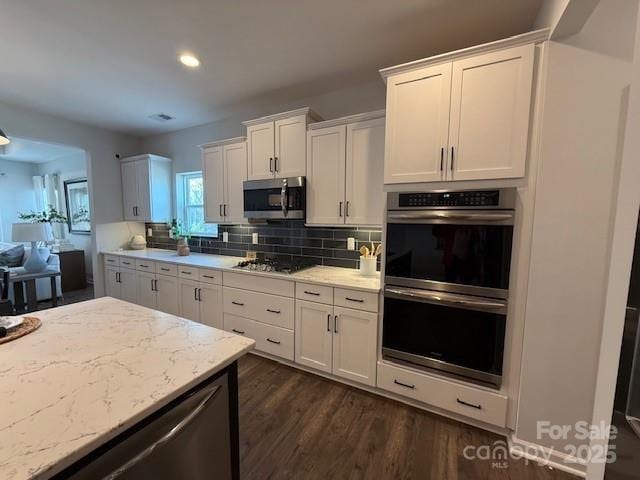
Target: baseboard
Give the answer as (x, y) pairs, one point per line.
(547, 456)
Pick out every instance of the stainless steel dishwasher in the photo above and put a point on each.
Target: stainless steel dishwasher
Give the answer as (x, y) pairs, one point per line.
(187, 440)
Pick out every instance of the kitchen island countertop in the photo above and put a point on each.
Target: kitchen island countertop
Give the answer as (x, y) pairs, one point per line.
(92, 370)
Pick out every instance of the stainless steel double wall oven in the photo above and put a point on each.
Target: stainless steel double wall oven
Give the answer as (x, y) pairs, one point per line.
(448, 257)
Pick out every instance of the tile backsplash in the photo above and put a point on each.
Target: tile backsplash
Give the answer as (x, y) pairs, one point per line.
(286, 240)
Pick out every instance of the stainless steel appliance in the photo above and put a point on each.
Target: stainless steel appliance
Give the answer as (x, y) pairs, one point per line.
(447, 263)
(273, 265)
(277, 198)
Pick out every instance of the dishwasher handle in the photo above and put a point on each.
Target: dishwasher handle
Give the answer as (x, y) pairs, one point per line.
(180, 426)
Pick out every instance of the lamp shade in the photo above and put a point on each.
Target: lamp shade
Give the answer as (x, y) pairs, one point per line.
(31, 232)
(3, 138)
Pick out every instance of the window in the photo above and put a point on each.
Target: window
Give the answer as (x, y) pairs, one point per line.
(190, 203)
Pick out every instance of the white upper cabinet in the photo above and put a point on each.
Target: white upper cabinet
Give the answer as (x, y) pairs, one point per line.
(325, 175)
(146, 188)
(276, 145)
(365, 166)
(345, 163)
(224, 168)
(417, 125)
(463, 119)
(490, 110)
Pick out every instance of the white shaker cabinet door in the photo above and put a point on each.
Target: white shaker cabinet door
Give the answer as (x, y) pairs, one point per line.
(128, 285)
(354, 345)
(417, 125)
(364, 173)
(129, 190)
(490, 110)
(146, 290)
(143, 211)
(314, 333)
(325, 175)
(260, 151)
(290, 146)
(189, 304)
(213, 177)
(112, 285)
(235, 172)
(167, 294)
(210, 297)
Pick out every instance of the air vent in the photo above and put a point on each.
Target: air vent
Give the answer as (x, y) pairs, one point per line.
(161, 117)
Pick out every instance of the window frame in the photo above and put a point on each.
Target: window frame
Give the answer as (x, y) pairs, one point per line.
(183, 206)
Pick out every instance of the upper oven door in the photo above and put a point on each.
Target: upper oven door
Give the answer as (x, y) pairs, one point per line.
(277, 198)
(460, 251)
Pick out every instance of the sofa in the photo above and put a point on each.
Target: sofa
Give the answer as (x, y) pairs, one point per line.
(43, 285)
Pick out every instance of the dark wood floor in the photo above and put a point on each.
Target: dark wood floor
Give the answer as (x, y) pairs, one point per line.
(298, 425)
(69, 298)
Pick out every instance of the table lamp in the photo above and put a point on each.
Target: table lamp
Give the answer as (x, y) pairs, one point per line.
(33, 232)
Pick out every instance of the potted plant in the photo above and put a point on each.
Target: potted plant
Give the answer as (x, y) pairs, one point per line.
(50, 215)
(179, 233)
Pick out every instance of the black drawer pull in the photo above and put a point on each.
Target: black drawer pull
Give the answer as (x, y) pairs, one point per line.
(312, 293)
(237, 303)
(359, 300)
(165, 269)
(126, 263)
(237, 331)
(185, 273)
(273, 311)
(406, 385)
(143, 266)
(273, 341)
(477, 407)
(209, 276)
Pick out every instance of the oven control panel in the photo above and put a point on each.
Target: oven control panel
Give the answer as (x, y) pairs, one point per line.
(478, 198)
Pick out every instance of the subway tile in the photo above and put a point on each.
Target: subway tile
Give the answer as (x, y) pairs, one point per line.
(376, 236)
(334, 243)
(348, 254)
(351, 233)
(287, 250)
(317, 252)
(336, 262)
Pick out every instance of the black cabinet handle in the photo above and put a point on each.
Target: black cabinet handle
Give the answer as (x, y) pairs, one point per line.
(340, 209)
(238, 303)
(186, 273)
(199, 294)
(224, 209)
(359, 300)
(165, 269)
(273, 311)
(461, 402)
(144, 266)
(275, 164)
(329, 323)
(156, 285)
(152, 289)
(220, 209)
(406, 385)
(209, 276)
(442, 159)
(335, 324)
(241, 332)
(346, 209)
(452, 159)
(271, 164)
(312, 293)
(273, 341)
(195, 294)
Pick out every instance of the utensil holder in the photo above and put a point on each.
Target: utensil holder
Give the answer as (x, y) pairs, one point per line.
(367, 266)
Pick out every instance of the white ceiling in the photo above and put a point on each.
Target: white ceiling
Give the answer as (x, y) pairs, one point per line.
(113, 63)
(29, 151)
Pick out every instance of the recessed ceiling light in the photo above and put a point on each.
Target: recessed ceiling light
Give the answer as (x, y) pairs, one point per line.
(189, 61)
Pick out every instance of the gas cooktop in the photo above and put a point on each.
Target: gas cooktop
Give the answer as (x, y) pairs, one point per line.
(272, 265)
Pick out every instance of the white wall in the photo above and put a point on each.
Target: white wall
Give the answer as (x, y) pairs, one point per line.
(71, 167)
(182, 146)
(583, 123)
(16, 194)
(103, 168)
(550, 13)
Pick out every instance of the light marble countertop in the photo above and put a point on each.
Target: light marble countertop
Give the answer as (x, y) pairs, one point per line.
(91, 371)
(319, 275)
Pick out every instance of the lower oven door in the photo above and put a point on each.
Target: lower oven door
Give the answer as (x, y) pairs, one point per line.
(455, 334)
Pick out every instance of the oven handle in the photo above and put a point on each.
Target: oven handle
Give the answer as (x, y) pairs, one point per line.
(283, 198)
(438, 298)
(452, 215)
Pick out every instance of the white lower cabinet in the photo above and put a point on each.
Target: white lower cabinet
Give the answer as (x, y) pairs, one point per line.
(128, 285)
(314, 335)
(240, 325)
(146, 290)
(167, 299)
(112, 281)
(337, 340)
(274, 340)
(210, 299)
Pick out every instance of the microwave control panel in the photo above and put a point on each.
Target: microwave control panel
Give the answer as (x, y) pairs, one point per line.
(479, 198)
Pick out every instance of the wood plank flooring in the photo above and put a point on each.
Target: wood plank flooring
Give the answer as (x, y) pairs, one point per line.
(295, 425)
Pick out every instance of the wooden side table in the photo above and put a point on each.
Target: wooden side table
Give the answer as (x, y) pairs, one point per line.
(74, 275)
(21, 278)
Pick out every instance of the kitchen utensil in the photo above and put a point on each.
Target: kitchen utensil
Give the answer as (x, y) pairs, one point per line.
(378, 250)
(364, 251)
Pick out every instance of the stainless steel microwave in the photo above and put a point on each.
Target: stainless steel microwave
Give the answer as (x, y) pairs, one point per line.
(275, 198)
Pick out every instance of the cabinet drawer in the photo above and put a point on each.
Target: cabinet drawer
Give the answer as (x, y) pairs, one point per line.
(210, 276)
(258, 283)
(271, 309)
(274, 340)
(239, 325)
(170, 269)
(357, 300)
(145, 266)
(128, 263)
(314, 293)
(112, 260)
(188, 272)
(483, 405)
